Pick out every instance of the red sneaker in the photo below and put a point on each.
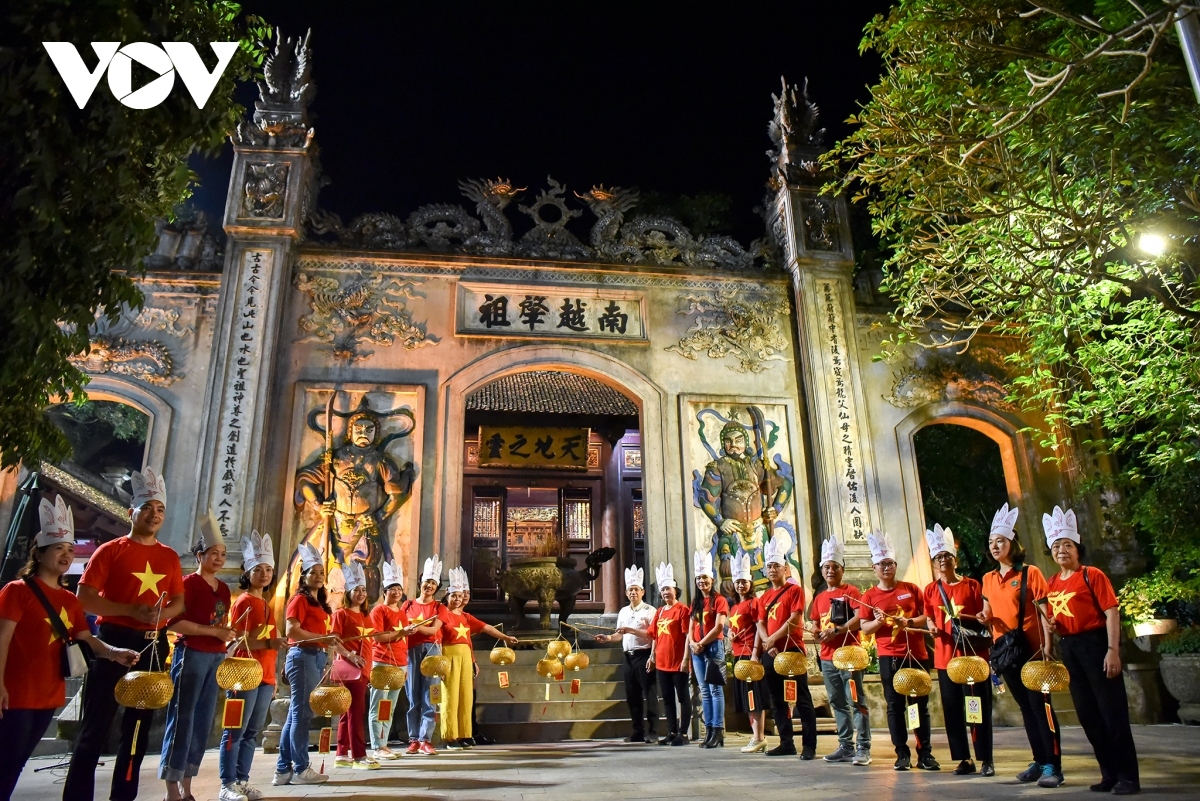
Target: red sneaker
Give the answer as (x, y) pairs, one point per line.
(413, 749)
(427, 750)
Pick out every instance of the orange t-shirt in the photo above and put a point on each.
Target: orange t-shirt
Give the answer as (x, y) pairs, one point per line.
(713, 607)
(819, 613)
(257, 625)
(669, 630)
(384, 618)
(968, 601)
(311, 616)
(33, 673)
(742, 628)
(458, 627)
(1075, 607)
(775, 607)
(904, 600)
(128, 572)
(1004, 596)
(350, 623)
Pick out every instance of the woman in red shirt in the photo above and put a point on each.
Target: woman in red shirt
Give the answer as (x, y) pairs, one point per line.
(1088, 623)
(706, 640)
(389, 648)
(351, 625)
(31, 647)
(744, 632)
(948, 597)
(254, 623)
(895, 614)
(204, 626)
(668, 655)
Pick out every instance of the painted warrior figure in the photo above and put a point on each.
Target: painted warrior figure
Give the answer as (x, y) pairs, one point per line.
(733, 493)
(365, 490)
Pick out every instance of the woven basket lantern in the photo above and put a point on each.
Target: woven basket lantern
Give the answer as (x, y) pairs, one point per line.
(968, 669)
(144, 689)
(1045, 676)
(435, 665)
(549, 667)
(328, 700)
(747, 670)
(558, 649)
(576, 661)
(851, 657)
(239, 673)
(912, 681)
(790, 663)
(387, 677)
(502, 655)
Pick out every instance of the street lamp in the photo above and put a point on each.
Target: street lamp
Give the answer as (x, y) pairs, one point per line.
(1188, 28)
(1152, 244)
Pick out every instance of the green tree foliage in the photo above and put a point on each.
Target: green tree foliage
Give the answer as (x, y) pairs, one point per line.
(80, 190)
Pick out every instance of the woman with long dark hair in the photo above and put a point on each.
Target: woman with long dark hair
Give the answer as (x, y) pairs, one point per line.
(743, 632)
(706, 639)
(1088, 622)
(1010, 617)
(670, 658)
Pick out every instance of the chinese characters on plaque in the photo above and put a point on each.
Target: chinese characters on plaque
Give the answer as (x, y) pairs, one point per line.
(845, 423)
(553, 312)
(515, 446)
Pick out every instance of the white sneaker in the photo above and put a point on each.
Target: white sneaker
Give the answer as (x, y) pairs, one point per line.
(250, 793)
(281, 778)
(309, 776)
(231, 792)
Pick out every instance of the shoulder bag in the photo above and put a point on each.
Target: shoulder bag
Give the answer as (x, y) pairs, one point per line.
(967, 634)
(1011, 650)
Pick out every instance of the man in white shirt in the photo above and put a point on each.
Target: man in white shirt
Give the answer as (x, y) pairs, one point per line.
(633, 624)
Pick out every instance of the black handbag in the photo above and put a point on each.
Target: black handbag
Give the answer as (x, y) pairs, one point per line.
(77, 657)
(839, 611)
(714, 671)
(1011, 650)
(967, 634)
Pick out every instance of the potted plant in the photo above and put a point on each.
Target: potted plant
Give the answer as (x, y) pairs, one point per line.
(1180, 669)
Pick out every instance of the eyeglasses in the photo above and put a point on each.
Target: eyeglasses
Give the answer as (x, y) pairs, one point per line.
(887, 565)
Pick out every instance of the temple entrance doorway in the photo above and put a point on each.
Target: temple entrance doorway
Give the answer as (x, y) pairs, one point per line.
(551, 468)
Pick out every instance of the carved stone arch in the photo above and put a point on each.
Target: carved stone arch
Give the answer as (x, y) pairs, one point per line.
(652, 411)
(158, 429)
(1016, 453)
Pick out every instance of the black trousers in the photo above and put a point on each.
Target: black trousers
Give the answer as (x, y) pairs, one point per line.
(20, 731)
(639, 692)
(1046, 743)
(676, 691)
(1101, 705)
(954, 711)
(897, 712)
(781, 711)
(100, 709)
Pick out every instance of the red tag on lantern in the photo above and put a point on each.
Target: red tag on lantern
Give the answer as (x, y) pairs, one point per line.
(789, 691)
(503, 679)
(231, 718)
(323, 740)
(384, 713)
(750, 698)
(558, 676)
(574, 686)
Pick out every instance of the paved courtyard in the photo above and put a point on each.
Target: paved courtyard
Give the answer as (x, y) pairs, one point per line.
(591, 770)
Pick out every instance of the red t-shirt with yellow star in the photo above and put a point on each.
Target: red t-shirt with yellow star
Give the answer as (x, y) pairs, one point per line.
(313, 618)
(741, 626)
(906, 601)
(252, 616)
(418, 612)
(33, 673)
(820, 614)
(967, 596)
(353, 627)
(128, 572)
(713, 607)
(458, 627)
(775, 607)
(1074, 606)
(384, 618)
(669, 629)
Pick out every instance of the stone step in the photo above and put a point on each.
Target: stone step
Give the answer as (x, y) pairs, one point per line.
(528, 691)
(557, 730)
(562, 708)
(596, 656)
(525, 672)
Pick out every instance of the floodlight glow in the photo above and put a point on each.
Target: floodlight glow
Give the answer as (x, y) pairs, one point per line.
(1152, 244)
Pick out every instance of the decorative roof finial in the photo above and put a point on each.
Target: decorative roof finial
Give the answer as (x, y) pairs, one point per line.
(281, 112)
(795, 134)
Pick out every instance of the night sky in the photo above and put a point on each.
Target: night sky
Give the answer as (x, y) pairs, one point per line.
(668, 97)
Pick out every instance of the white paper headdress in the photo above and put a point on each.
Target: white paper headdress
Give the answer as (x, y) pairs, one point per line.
(702, 564)
(210, 533)
(354, 576)
(665, 575)
(147, 486)
(832, 550)
(257, 550)
(1062, 525)
(634, 577)
(433, 570)
(1003, 522)
(741, 567)
(458, 580)
(777, 548)
(310, 557)
(58, 523)
(881, 547)
(392, 575)
(940, 540)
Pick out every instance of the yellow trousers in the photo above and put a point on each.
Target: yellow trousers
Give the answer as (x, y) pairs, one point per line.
(458, 693)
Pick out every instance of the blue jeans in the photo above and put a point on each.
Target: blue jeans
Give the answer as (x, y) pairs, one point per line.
(303, 669)
(421, 713)
(379, 729)
(712, 696)
(850, 715)
(190, 713)
(237, 745)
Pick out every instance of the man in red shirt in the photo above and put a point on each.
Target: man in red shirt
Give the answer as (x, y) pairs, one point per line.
(778, 616)
(135, 584)
(669, 658)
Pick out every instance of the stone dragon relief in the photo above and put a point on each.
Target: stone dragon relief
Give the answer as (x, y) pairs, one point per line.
(936, 376)
(115, 349)
(728, 323)
(448, 228)
(362, 308)
(281, 112)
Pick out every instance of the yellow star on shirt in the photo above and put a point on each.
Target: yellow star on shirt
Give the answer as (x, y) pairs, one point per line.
(462, 630)
(363, 631)
(953, 611)
(329, 625)
(664, 626)
(733, 620)
(1058, 603)
(150, 580)
(266, 631)
(771, 614)
(62, 615)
